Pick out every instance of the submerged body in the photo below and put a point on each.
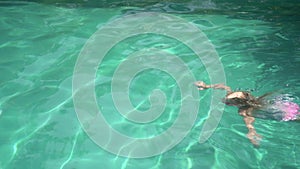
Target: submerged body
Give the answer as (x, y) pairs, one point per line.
(268, 106)
(278, 109)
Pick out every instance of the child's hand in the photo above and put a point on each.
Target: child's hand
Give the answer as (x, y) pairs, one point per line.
(254, 138)
(201, 85)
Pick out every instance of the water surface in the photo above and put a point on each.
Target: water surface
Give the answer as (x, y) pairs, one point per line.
(257, 44)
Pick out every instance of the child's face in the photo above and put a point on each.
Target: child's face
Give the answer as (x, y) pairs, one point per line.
(240, 95)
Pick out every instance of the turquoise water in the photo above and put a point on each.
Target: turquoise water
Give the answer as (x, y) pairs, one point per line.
(259, 47)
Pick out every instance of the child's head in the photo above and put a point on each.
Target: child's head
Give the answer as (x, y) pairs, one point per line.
(239, 99)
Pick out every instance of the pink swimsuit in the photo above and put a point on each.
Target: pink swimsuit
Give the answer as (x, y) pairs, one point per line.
(290, 110)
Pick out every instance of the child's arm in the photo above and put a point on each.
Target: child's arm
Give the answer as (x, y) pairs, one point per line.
(201, 86)
(252, 135)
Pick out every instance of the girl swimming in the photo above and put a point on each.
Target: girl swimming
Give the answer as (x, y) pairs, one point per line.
(268, 106)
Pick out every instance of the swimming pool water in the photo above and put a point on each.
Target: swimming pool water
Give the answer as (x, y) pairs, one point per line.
(259, 47)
